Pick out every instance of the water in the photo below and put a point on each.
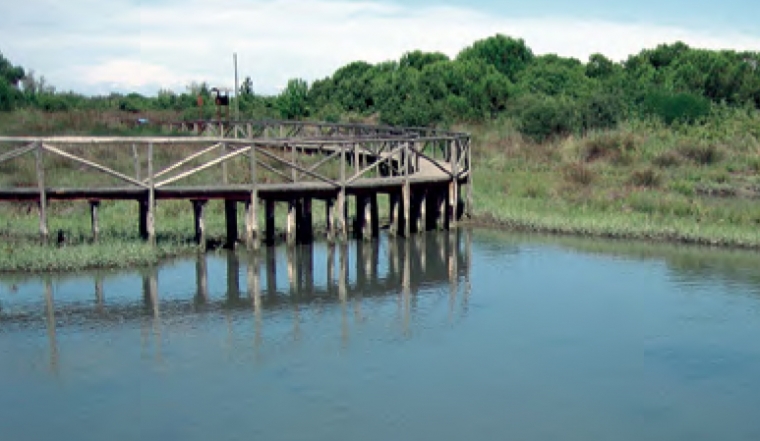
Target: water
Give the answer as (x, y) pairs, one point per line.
(473, 335)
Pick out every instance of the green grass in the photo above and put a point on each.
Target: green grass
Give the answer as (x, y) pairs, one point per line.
(640, 181)
(28, 257)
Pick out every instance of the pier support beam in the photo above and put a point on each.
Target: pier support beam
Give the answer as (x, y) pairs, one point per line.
(442, 211)
(367, 223)
(419, 212)
(305, 226)
(270, 263)
(406, 200)
(94, 206)
(294, 213)
(395, 212)
(340, 216)
(199, 222)
(252, 223)
(143, 218)
(330, 219)
(269, 227)
(201, 280)
(230, 217)
(362, 217)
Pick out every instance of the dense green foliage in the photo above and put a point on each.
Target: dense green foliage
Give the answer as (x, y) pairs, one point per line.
(546, 95)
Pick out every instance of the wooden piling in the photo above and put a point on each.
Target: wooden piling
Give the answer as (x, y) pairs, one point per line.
(271, 270)
(201, 279)
(233, 277)
(330, 219)
(290, 229)
(199, 222)
(143, 218)
(305, 223)
(269, 227)
(443, 211)
(94, 205)
(362, 216)
(230, 217)
(393, 209)
(99, 292)
(420, 211)
(374, 215)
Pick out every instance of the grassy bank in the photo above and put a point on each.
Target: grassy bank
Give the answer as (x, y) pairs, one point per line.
(643, 180)
(119, 244)
(694, 184)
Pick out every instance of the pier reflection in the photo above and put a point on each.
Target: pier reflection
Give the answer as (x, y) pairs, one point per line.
(302, 283)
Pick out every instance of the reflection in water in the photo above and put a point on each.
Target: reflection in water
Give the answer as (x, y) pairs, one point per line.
(50, 316)
(426, 260)
(571, 340)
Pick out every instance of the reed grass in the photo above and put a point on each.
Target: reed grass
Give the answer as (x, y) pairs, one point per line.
(694, 184)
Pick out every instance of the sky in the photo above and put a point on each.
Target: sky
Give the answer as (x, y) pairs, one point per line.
(98, 46)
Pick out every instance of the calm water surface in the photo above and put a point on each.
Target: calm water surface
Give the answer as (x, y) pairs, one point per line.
(469, 335)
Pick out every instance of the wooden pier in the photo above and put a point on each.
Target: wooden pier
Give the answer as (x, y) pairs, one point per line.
(258, 164)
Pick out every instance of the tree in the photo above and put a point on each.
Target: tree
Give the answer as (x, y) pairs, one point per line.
(246, 88)
(600, 67)
(10, 73)
(553, 75)
(418, 59)
(507, 55)
(292, 102)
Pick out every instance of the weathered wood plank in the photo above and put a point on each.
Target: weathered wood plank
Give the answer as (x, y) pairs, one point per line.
(91, 164)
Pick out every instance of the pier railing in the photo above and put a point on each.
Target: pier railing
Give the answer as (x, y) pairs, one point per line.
(251, 162)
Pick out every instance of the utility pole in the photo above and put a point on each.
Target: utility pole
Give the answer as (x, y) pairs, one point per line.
(237, 97)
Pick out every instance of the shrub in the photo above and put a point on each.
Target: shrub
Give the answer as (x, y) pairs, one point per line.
(600, 111)
(608, 145)
(579, 173)
(647, 177)
(701, 153)
(667, 159)
(683, 187)
(679, 107)
(544, 117)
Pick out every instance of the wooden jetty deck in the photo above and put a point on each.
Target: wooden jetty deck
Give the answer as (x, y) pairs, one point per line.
(255, 163)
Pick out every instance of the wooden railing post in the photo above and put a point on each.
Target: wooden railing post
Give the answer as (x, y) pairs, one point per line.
(294, 172)
(406, 198)
(469, 178)
(40, 164)
(252, 218)
(454, 184)
(151, 217)
(136, 160)
(225, 176)
(340, 206)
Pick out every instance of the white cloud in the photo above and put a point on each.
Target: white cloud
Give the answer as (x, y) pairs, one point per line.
(93, 46)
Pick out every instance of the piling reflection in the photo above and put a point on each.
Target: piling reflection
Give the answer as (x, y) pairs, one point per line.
(301, 282)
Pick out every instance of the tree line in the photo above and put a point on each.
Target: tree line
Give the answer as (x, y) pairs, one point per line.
(546, 95)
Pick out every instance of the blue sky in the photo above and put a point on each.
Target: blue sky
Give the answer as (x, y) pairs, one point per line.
(711, 15)
(97, 46)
